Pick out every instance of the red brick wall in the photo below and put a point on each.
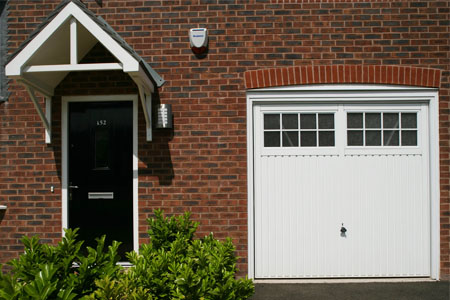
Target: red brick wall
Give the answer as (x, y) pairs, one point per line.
(201, 165)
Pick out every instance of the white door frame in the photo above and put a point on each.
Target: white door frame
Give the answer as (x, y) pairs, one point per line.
(347, 93)
(65, 157)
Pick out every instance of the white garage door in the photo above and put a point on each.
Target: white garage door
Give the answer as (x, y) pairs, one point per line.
(341, 191)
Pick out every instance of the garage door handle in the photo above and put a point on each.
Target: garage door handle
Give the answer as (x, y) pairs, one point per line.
(343, 229)
(73, 186)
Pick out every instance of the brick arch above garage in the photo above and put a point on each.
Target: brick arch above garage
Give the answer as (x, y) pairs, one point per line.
(343, 74)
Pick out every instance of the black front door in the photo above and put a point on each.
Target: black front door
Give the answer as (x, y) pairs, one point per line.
(100, 171)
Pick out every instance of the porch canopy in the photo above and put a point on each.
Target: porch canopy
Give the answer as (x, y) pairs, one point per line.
(56, 48)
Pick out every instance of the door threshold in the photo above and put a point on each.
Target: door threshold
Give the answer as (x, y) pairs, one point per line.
(345, 280)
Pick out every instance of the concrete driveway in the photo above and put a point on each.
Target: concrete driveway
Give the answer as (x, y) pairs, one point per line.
(361, 291)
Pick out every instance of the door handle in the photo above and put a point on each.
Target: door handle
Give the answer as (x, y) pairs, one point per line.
(71, 187)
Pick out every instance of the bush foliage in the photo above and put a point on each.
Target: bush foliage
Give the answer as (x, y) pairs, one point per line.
(173, 265)
(58, 272)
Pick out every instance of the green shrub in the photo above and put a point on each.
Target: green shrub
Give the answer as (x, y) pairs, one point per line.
(122, 289)
(175, 266)
(58, 272)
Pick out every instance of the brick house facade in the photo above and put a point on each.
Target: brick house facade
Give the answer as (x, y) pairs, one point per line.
(201, 164)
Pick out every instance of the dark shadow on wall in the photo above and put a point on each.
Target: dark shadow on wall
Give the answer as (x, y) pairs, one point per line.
(156, 154)
(2, 215)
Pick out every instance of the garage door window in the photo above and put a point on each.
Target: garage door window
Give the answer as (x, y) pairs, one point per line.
(299, 130)
(382, 129)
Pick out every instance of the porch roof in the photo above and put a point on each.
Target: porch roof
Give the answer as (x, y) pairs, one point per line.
(57, 46)
(53, 42)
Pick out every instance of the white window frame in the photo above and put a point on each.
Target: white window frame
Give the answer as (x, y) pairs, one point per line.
(65, 155)
(299, 130)
(350, 94)
(422, 118)
(281, 109)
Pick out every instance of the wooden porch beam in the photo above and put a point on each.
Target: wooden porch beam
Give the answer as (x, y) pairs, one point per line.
(73, 42)
(73, 67)
(146, 100)
(44, 117)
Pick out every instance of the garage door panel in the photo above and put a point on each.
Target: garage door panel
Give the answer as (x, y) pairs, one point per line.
(380, 195)
(291, 213)
(394, 241)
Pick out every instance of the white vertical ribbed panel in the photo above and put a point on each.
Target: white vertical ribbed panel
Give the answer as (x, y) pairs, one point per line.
(302, 200)
(296, 223)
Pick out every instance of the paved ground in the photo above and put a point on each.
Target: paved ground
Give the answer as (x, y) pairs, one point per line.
(361, 291)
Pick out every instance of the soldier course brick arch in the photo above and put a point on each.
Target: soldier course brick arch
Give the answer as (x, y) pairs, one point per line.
(343, 74)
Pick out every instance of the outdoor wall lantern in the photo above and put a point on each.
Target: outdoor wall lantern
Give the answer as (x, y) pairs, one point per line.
(164, 116)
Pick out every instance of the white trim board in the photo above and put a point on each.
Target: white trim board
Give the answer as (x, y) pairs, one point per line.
(65, 158)
(73, 67)
(377, 94)
(14, 68)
